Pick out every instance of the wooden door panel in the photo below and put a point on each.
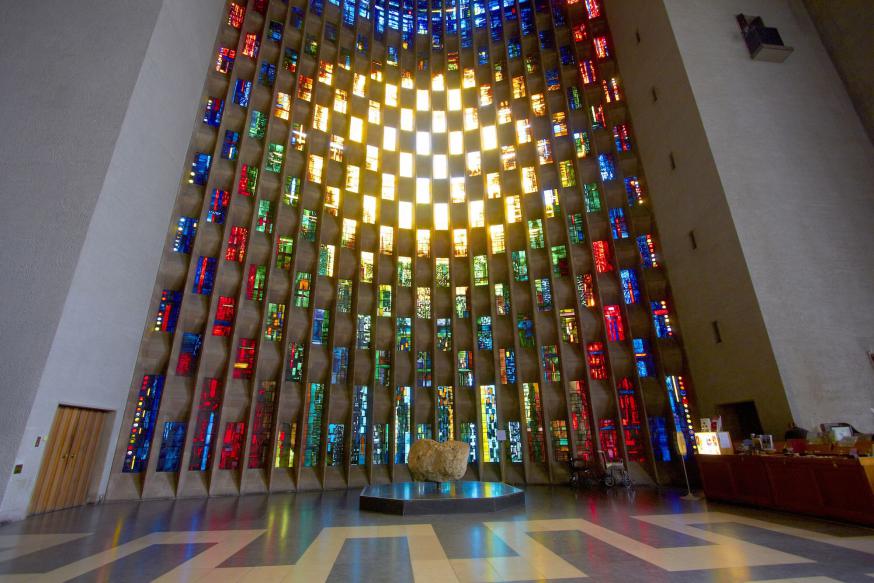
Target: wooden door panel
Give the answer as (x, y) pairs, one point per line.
(53, 461)
(86, 455)
(61, 488)
(68, 462)
(48, 462)
(64, 497)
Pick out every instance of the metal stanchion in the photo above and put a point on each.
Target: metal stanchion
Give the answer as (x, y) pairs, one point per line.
(681, 449)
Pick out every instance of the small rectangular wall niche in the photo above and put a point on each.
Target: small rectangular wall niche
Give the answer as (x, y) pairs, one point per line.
(717, 333)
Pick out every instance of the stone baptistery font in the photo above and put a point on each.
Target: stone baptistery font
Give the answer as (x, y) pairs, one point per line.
(437, 468)
(432, 461)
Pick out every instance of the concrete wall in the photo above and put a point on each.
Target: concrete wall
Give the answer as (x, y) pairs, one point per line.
(105, 99)
(710, 283)
(793, 165)
(61, 115)
(845, 28)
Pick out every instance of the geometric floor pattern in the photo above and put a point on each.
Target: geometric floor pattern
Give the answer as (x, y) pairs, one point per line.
(561, 535)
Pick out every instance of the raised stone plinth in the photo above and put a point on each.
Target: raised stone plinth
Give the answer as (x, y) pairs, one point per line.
(440, 498)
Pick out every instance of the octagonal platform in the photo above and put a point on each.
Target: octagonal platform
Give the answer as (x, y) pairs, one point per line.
(440, 498)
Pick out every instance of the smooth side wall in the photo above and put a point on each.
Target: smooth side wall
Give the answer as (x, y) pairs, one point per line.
(96, 339)
(68, 73)
(845, 28)
(710, 283)
(795, 167)
(797, 170)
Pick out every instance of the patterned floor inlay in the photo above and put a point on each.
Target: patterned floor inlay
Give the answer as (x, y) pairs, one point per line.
(316, 537)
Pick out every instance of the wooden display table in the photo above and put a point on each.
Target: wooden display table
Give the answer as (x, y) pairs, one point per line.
(830, 487)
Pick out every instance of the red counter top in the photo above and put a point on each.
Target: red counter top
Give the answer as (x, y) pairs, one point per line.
(830, 487)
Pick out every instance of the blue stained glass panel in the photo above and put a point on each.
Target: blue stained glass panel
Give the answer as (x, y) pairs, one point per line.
(173, 440)
(186, 228)
(242, 92)
(143, 424)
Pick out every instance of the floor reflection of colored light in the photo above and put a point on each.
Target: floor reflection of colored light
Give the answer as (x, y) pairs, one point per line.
(286, 520)
(116, 535)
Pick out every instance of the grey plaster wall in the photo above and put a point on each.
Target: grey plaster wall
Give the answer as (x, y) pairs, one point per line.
(109, 94)
(846, 29)
(710, 283)
(68, 71)
(794, 166)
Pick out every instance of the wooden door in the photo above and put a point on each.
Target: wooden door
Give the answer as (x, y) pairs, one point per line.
(68, 463)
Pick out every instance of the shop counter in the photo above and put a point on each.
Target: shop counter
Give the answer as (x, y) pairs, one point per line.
(829, 487)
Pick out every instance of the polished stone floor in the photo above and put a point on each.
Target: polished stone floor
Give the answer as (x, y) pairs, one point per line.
(624, 536)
